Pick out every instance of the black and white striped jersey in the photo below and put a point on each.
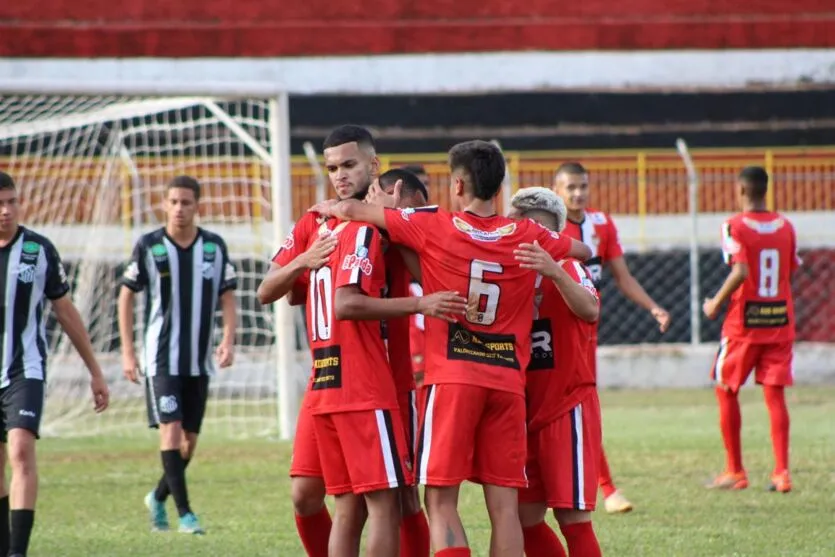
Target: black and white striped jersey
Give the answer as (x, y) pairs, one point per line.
(30, 272)
(183, 286)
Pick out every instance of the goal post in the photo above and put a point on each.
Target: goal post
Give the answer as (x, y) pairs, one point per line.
(91, 161)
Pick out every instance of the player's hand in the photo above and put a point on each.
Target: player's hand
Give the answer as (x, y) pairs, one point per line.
(444, 305)
(710, 308)
(662, 317)
(319, 252)
(534, 257)
(101, 394)
(225, 354)
(376, 195)
(130, 368)
(324, 208)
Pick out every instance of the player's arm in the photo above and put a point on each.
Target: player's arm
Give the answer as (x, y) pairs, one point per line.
(632, 289)
(225, 352)
(134, 279)
(736, 278)
(282, 279)
(559, 246)
(412, 262)
(57, 290)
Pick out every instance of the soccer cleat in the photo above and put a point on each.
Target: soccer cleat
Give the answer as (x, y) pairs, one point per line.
(617, 503)
(729, 480)
(159, 517)
(781, 482)
(190, 525)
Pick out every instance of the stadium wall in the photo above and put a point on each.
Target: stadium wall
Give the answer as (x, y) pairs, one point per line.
(204, 28)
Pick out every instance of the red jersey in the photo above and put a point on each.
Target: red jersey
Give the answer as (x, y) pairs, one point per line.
(761, 311)
(397, 329)
(303, 233)
(466, 253)
(350, 367)
(597, 230)
(416, 333)
(556, 384)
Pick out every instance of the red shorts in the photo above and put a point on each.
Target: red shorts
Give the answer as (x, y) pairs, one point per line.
(409, 416)
(737, 358)
(362, 451)
(471, 433)
(305, 459)
(564, 459)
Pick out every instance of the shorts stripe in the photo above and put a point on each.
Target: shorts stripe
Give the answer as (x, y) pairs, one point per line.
(388, 444)
(153, 396)
(425, 436)
(719, 363)
(578, 465)
(413, 426)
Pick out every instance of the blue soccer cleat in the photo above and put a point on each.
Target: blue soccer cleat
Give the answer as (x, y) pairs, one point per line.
(159, 517)
(190, 525)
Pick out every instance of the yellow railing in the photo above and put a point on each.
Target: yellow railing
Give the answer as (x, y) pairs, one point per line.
(237, 189)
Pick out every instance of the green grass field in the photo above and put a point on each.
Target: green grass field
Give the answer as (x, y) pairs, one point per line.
(662, 446)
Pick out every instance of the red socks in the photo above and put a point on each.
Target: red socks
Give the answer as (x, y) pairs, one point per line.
(314, 531)
(604, 478)
(730, 422)
(454, 552)
(414, 536)
(541, 541)
(775, 401)
(580, 539)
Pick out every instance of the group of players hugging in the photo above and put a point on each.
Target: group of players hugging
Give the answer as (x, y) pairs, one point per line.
(506, 393)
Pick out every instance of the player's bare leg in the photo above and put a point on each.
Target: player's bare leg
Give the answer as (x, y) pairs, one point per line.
(502, 506)
(414, 530)
(171, 444)
(23, 491)
(540, 539)
(445, 528)
(346, 531)
(313, 520)
(578, 532)
(383, 523)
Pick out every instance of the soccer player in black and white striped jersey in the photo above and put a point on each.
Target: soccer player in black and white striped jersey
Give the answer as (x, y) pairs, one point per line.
(185, 271)
(30, 272)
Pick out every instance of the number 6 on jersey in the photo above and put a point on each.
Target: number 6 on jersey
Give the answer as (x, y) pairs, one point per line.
(483, 297)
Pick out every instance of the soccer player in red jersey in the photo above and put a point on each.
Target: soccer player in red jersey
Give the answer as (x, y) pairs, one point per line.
(564, 433)
(352, 164)
(473, 420)
(759, 328)
(597, 230)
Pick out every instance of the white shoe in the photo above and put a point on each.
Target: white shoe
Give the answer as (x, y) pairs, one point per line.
(617, 503)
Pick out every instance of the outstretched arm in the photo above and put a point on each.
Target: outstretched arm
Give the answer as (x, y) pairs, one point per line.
(351, 303)
(633, 290)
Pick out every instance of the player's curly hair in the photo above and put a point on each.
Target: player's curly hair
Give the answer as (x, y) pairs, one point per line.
(540, 199)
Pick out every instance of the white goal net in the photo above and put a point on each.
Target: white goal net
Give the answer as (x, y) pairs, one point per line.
(91, 174)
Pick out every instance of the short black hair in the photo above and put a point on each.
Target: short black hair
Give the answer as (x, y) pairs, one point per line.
(415, 168)
(411, 183)
(483, 164)
(6, 182)
(755, 182)
(186, 183)
(349, 133)
(572, 167)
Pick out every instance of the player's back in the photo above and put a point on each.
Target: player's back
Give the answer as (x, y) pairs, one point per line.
(473, 255)
(762, 309)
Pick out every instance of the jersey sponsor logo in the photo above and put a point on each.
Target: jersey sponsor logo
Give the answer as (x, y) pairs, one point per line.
(209, 251)
(542, 346)
(159, 252)
(765, 315)
(62, 273)
(597, 218)
(168, 404)
(769, 227)
(595, 267)
(26, 273)
(208, 270)
(404, 213)
(482, 348)
(353, 261)
(289, 242)
(31, 247)
(28, 413)
(327, 368)
(483, 235)
(131, 272)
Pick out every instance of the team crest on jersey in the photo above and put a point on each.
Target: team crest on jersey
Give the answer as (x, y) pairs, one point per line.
(159, 252)
(31, 247)
(769, 227)
(209, 251)
(483, 235)
(355, 261)
(208, 270)
(597, 218)
(26, 273)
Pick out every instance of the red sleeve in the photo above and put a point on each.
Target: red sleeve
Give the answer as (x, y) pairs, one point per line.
(732, 249)
(581, 276)
(796, 261)
(554, 243)
(409, 227)
(296, 242)
(360, 254)
(613, 247)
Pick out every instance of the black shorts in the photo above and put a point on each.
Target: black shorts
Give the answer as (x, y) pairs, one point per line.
(21, 406)
(177, 399)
